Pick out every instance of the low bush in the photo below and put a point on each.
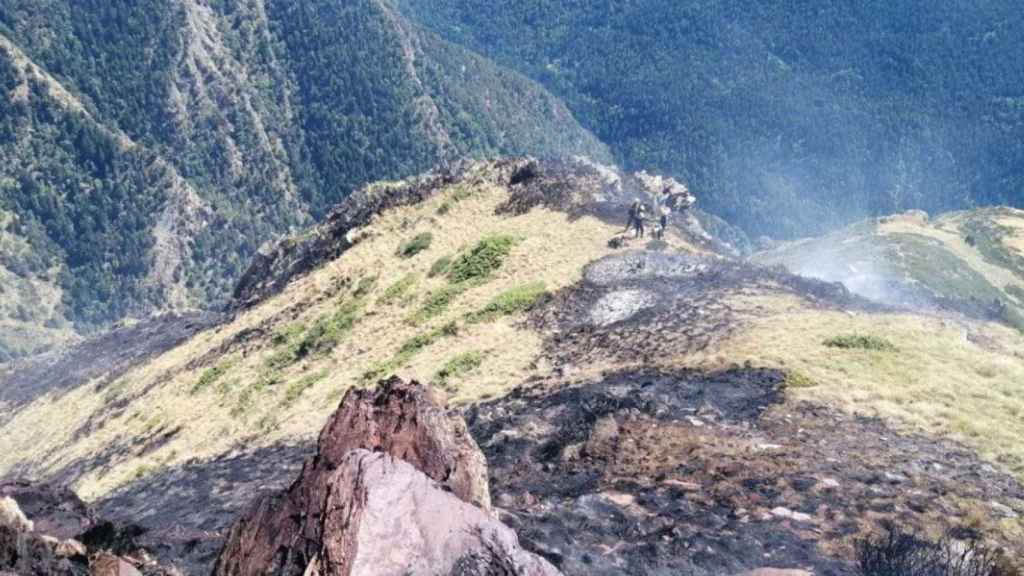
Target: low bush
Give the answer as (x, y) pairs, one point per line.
(860, 342)
(438, 302)
(898, 553)
(510, 302)
(458, 367)
(323, 336)
(297, 388)
(440, 267)
(407, 351)
(415, 245)
(483, 260)
(399, 291)
(212, 374)
(796, 379)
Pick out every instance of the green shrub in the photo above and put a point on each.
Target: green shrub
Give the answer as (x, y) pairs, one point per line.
(458, 367)
(510, 302)
(258, 386)
(796, 379)
(482, 261)
(398, 292)
(860, 342)
(212, 374)
(438, 302)
(414, 246)
(440, 267)
(295, 390)
(321, 338)
(365, 286)
(406, 352)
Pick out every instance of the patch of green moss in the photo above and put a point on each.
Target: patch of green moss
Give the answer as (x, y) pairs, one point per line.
(860, 342)
(415, 245)
(513, 301)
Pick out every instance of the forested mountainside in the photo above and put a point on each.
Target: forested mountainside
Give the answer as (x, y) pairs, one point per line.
(787, 118)
(148, 148)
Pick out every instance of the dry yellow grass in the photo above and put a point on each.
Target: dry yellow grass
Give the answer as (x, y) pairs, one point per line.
(960, 380)
(234, 408)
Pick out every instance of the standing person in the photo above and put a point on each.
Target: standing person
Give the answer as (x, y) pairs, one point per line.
(638, 221)
(634, 209)
(663, 220)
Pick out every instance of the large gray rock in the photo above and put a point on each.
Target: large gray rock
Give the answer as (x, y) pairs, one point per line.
(392, 520)
(396, 487)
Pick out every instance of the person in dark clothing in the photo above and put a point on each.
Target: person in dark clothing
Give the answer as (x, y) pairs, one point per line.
(634, 209)
(638, 221)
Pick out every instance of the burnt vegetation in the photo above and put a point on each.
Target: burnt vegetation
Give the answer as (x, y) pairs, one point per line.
(900, 553)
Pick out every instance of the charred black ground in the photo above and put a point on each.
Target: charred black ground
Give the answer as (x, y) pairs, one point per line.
(657, 473)
(643, 306)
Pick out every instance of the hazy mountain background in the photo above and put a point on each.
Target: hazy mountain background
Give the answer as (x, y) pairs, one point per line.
(788, 118)
(148, 148)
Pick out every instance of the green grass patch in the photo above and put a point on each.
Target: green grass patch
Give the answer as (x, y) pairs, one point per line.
(985, 234)
(440, 267)
(211, 375)
(415, 245)
(399, 291)
(440, 300)
(321, 338)
(365, 286)
(297, 388)
(796, 380)
(483, 260)
(458, 367)
(460, 192)
(409, 349)
(860, 342)
(513, 301)
(248, 396)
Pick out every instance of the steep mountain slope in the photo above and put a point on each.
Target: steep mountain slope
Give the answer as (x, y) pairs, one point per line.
(149, 148)
(790, 118)
(645, 407)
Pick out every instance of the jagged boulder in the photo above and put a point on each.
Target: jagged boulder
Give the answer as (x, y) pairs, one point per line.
(397, 487)
(24, 552)
(54, 510)
(47, 530)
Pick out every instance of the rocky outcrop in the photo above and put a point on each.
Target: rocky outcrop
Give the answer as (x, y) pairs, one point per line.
(396, 487)
(48, 531)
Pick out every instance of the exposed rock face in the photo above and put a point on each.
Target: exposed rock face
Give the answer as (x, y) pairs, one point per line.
(22, 551)
(418, 508)
(42, 530)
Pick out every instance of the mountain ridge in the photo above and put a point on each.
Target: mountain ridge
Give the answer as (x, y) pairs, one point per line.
(213, 128)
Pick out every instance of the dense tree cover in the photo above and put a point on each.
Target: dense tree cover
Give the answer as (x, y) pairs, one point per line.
(786, 117)
(227, 123)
